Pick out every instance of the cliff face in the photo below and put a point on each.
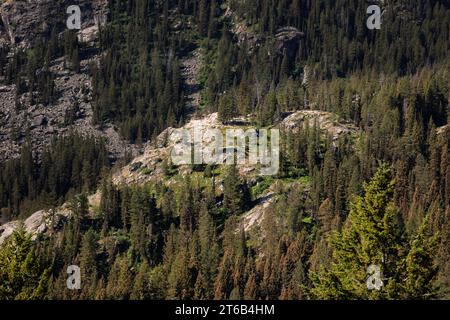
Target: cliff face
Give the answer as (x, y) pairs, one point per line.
(22, 21)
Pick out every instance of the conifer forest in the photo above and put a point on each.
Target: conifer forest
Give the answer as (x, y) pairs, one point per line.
(94, 205)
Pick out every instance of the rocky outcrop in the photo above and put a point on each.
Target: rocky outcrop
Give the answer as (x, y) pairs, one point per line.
(24, 20)
(252, 221)
(325, 121)
(44, 122)
(242, 30)
(191, 71)
(20, 116)
(38, 223)
(288, 39)
(443, 130)
(256, 215)
(149, 167)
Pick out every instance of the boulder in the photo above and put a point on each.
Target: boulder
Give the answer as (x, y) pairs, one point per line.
(288, 39)
(38, 223)
(39, 121)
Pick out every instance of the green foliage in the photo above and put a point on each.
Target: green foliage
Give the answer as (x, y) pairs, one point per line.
(72, 164)
(236, 193)
(372, 236)
(421, 269)
(185, 237)
(261, 187)
(139, 83)
(22, 276)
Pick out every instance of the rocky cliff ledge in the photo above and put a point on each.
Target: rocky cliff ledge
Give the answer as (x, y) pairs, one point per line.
(22, 21)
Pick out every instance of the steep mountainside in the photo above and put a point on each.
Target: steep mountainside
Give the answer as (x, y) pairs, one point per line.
(91, 122)
(25, 119)
(151, 166)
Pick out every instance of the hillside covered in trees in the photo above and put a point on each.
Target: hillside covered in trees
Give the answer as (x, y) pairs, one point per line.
(364, 182)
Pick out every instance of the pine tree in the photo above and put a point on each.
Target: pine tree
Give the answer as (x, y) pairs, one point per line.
(209, 254)
(22, 276)
(120, 280)
(227, 110)
(421, 269)
(179, 280)
(372, 236)
(157, 285)
(293, 269)
(140, 289)
(224, 284)
(88, 264)
(251, 287)
(80, 206)
(236, 194)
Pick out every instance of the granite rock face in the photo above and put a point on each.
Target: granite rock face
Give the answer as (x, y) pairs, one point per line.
(22, 21)
(288, 40)
(21, 118)
(40, 124)
(38, 223)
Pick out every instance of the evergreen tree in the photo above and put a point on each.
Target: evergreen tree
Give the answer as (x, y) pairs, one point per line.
(372, 236)
(236, 193)
(88, 264)
(22, 276)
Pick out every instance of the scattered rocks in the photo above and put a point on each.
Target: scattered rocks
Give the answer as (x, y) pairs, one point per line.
(326, 121)
(287, 38)
(24, 20)
(191, 72)
(20, 23)
(43, 122)
(242, 31)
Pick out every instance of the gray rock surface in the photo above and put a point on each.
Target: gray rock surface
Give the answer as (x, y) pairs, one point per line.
(20, 23)
(74, 90)
(38, 223)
